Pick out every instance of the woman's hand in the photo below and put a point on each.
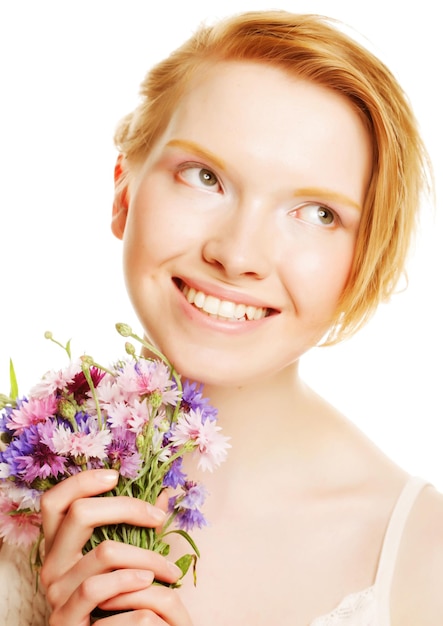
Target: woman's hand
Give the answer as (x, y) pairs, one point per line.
(113, 576)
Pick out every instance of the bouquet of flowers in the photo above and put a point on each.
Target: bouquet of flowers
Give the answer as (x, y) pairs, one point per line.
(137, 417)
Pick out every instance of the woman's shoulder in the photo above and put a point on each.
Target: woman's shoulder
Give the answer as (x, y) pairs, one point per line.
(417, 592)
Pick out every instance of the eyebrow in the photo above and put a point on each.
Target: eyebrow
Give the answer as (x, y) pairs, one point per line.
(190, 146)
(317, 192)
(328, 194)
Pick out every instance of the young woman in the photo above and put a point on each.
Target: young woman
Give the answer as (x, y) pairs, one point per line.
(267, 189)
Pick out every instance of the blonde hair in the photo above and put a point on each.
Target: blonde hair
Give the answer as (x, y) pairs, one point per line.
(311, 47)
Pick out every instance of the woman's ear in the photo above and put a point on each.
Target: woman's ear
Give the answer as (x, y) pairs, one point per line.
(121, 200)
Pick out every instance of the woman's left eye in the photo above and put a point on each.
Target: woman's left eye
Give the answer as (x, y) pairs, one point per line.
(316, 214)
(198, 176)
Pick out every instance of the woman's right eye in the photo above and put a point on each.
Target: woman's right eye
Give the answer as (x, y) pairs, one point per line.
(200, 177)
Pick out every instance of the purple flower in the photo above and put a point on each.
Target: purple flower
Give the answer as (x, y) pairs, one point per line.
(195, 496)
(186, 506)
(175, 477)
(29, 456)
(188, 519)
(123, 454)
(192, 399)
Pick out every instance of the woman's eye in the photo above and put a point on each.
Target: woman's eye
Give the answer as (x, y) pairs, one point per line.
(198, 176)
(316, 214)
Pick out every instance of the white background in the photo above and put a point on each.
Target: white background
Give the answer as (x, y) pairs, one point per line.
(69, 71)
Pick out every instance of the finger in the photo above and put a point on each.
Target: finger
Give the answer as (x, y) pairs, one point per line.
(107, 557)
(85, 514)
(163, 500)
(96, 590)
(139, 618)
(164, 602)
(57, 500)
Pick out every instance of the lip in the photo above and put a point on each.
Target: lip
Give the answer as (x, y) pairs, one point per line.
(217, 322)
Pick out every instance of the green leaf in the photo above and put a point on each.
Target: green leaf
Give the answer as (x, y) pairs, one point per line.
(13, 381)
(188, 538)
(68, 348)
(184, 563)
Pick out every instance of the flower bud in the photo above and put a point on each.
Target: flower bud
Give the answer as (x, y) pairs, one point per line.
(6, 437)
(155, 398)
(164, 426)
(48, 334)
(190, 445)
(80, 459)
(4, 401)
(42, 484)
(124, 329)
(66, 409)
(129, 348)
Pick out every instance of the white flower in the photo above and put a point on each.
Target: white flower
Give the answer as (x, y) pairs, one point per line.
(4, 470)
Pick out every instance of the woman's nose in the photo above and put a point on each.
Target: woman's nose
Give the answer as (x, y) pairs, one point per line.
(241, 243)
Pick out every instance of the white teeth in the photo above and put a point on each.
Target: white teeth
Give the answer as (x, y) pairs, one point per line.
(222, 308)
(210, 304)
(240, 311)
(191, 294)
(250, 312)
(199, 299)
(227, 309)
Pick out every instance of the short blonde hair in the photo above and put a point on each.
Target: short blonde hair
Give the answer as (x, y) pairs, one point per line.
(313, 48)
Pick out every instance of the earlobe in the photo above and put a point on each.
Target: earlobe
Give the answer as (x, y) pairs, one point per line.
(121, 200)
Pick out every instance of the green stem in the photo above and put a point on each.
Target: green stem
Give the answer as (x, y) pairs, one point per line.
(87, 374)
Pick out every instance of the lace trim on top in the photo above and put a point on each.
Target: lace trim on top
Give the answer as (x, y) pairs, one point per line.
(356, 609)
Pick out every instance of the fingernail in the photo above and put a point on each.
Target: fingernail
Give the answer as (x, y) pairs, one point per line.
(108, 476)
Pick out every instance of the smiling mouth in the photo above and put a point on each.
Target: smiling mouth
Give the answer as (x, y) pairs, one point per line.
(222, 309)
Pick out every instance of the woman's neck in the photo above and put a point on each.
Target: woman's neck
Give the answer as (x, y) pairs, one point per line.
(254, 416)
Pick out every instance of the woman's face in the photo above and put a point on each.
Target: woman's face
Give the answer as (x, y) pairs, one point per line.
(242, 222)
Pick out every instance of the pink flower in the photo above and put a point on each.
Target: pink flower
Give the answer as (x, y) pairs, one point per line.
(211, 445)
(34, 411)
(147, 377)
(89, 445)
(56, 379)
(118, 414)
(139, 416)
(23, 497)
(108, 392)
(20, 527)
